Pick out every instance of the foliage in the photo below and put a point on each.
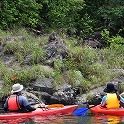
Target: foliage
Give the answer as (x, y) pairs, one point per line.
(115, 52)
(81, 56)
(85, 26)
(84, 66)
(74, 77)
(112, 58)
(58, 77)
(11, 48)
(113, 12)
(116, 40)
(92, 15)
(5, 76)
(58, 65)
(22, 76)
(75, 17)
(63, 13)
(106, 37)
(28, 50)
(87, 60)
(19, 12)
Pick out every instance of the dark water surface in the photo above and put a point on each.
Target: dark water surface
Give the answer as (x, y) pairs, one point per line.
(69, 119)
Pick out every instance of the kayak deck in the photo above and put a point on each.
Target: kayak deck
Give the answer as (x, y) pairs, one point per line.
(101, 110)
(39, 112)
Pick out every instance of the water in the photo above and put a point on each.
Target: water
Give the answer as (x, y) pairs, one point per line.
(69, 119)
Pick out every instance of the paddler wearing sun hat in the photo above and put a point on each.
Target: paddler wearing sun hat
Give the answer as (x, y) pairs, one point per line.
(16, 102)
(112, 99)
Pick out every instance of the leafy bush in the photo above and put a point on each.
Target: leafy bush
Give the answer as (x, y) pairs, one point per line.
(116, 40)
(64, 13)
(106, 37)
(74, 77)
(19, 12)
(113, 12)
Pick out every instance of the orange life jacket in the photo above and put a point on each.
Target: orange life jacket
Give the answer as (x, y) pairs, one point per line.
(112, 101)
(13, 103)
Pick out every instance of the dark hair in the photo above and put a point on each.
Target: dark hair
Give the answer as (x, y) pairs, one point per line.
(110, 88)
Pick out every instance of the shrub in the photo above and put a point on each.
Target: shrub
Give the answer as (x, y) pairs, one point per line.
(19, 12)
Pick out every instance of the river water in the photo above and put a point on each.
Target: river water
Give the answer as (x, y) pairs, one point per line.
(69, 119)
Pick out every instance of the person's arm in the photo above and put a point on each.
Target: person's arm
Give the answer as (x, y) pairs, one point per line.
(6, 106)
(121, 99)
(103, 102)
(5, 109)
(30, 108)
(26, 105)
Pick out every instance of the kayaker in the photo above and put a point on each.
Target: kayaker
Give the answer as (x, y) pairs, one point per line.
(16, 102)
(112, 98)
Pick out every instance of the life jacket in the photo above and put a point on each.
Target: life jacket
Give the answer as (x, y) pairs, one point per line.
(112, 101)
(13, 103)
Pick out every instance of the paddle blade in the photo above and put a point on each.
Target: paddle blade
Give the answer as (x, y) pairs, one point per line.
(80, 111)
(55, 106)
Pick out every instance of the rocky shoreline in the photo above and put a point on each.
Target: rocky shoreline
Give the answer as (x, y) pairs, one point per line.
(42, 88)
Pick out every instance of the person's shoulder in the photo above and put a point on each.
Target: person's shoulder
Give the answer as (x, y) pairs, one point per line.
(22, 97)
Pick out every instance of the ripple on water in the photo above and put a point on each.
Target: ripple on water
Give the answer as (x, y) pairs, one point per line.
(68, 119)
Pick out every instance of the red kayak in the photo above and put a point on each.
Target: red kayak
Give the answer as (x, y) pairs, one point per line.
(101, 110)
(39, 112)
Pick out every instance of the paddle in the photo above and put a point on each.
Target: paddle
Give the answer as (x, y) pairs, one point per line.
(55, 106)
(46, 107)
(81, 111)
(50, 106)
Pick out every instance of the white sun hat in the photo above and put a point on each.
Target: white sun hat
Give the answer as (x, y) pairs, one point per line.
(17, 88)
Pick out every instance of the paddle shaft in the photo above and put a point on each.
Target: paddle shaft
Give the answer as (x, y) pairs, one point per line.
(92, 106)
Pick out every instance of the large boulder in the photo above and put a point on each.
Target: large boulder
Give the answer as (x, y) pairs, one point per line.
(55, 49)
(63, 94)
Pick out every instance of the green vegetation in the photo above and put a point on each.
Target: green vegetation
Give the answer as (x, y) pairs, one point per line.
(73, 20)
(75, 17)
(84, 66)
